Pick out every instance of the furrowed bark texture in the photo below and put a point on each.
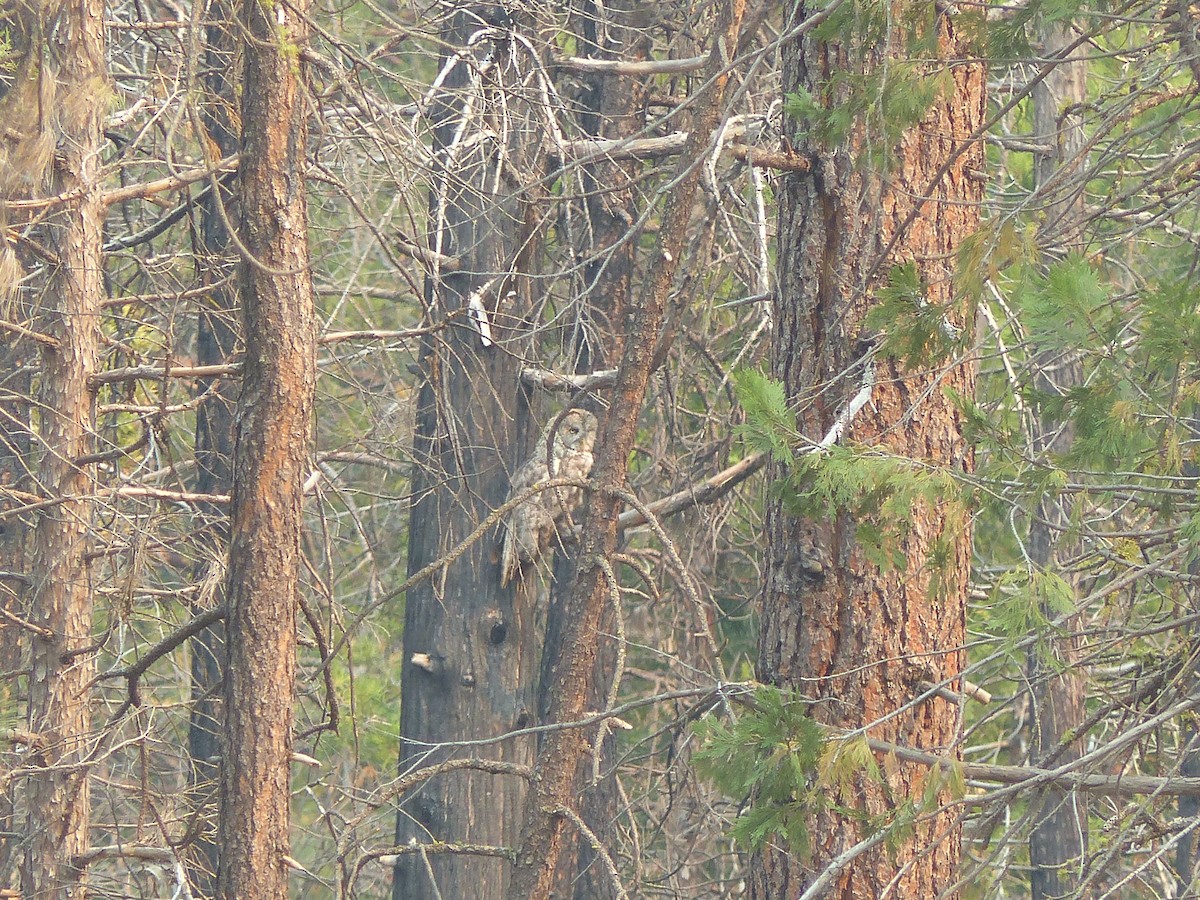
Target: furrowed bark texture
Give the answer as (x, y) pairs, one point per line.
(471, 647)
(1057, 843)
(216, 341)
(574, 659)
(615, 110)
(60, 591)
(835, 628)
(271, 458)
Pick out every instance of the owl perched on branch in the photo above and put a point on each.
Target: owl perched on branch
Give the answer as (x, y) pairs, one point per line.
(530, 527)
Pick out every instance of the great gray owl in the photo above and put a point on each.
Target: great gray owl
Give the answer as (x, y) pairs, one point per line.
(530, 527)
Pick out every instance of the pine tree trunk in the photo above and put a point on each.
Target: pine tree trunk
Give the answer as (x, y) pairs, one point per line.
(573, 660)
(216, 341)
(1057, 843)
(68, 306)
(271, 458)
(858, 641)
(615, 109)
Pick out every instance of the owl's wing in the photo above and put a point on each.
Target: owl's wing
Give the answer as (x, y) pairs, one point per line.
(520, 524)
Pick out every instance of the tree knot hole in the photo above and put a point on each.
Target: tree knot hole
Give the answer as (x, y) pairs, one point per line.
(497, 627)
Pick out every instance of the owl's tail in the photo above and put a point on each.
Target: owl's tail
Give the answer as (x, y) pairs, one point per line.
(510, 560)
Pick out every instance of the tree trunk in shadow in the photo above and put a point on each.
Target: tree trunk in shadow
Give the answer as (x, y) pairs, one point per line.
(1057, 843)
(216, 342)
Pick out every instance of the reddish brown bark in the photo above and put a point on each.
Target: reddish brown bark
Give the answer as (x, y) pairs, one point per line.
(574, 659)
(271, 458)
(60, 596)
(615, 110)
(854, 639)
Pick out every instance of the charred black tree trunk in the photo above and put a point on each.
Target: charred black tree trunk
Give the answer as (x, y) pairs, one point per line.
(471, 647)
(216, 341)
